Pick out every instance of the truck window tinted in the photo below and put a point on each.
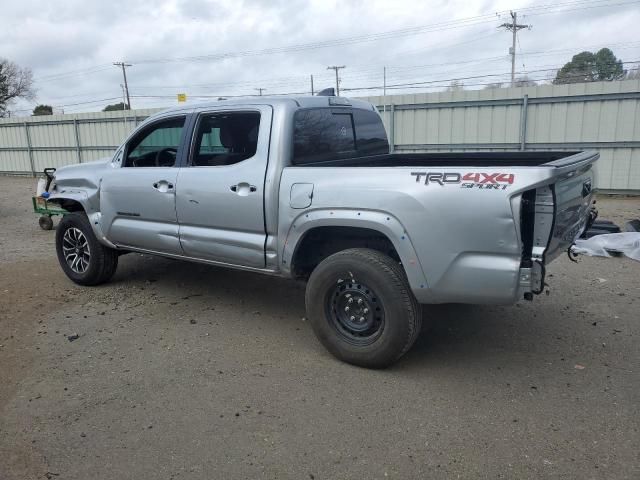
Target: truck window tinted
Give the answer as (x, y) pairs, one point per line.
(371, 136)
(156, 146)
(323, 134)
(226, 138)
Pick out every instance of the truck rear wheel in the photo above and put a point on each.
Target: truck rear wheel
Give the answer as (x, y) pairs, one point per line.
(361, 308)
(82, 257)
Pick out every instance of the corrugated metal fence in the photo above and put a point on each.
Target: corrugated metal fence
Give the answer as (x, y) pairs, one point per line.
(33, 143)
(604, 116)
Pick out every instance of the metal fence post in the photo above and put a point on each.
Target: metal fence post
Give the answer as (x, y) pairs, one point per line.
(523, 122)
(29, 149)
(392, 128)
(77, 132)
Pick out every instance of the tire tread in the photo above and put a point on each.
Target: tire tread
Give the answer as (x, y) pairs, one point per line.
(395, 275)
(106, 258)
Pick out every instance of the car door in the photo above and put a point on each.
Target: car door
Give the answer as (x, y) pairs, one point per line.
(220, 192)
(137, 197)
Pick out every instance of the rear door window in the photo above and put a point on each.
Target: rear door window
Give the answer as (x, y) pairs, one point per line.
(226, 138)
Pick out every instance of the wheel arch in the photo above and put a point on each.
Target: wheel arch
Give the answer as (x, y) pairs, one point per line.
(69, 204)
(343, 228)
(79, 201)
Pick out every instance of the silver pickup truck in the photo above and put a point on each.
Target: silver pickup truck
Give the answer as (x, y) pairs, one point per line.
(307, 188)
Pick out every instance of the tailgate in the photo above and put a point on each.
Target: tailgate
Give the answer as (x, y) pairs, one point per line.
(565, 203)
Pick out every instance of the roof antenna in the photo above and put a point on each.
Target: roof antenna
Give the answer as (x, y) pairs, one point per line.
(327, 92)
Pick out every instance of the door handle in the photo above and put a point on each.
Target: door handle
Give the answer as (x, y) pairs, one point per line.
(163, 186)
(243, 189)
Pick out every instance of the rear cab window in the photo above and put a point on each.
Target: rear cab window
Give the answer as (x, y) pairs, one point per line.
(326, 134)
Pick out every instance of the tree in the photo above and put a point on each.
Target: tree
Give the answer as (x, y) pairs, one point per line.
(608, 67)
(43, 110)
(591, 67)
(524, 81)
(15, 82)
(115, 106)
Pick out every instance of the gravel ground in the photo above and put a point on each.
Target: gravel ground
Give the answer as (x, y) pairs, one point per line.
(183, 371)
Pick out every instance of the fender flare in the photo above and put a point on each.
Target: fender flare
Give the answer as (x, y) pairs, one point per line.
(380, 221)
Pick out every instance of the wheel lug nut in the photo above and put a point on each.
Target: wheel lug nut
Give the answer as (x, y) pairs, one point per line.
(351, 300)
(352, 318)
(359, 301)
(346, 309)
(365, 311)
(361, 319)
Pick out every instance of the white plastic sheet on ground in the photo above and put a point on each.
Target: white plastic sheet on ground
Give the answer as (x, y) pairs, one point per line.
(627, 243)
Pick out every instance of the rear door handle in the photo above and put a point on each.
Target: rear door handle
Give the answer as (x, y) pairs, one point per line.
(163, 186)
(243, 189)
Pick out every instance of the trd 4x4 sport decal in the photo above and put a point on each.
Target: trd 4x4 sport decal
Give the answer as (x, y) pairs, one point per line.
(482, 181)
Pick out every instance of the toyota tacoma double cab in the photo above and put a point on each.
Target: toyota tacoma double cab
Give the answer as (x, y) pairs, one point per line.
(308, 188)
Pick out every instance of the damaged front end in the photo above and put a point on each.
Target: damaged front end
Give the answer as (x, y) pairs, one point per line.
(77, 188)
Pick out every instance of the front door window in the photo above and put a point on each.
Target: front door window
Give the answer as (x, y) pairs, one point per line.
(156, 145)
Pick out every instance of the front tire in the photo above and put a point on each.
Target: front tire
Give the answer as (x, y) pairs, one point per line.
(82, 257)
(361, 308)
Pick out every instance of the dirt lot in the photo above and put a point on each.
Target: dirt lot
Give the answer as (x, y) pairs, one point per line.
(187, 371)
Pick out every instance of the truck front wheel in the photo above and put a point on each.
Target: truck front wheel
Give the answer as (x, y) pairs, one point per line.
(82, 257)
(361, 308)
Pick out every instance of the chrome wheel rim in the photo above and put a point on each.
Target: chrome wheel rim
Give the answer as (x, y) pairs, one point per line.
(75, 249)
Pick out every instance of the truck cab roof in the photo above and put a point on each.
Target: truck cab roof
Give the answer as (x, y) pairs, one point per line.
(294, 102)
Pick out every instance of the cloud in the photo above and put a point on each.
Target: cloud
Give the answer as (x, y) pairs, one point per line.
(58, 39)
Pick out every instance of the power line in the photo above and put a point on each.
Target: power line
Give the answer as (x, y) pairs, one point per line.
(534, 10)
(465, 22)
(71, 73)
(428, 82)
(587, 7)
(367, 73)
(422, 84)
(87, 102)
(393, 86)
(435, 27)
(409, 85)
(329, 43)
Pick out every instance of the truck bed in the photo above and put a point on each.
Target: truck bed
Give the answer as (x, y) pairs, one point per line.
(457, 159)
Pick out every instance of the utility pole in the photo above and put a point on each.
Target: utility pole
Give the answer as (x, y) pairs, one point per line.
(260, 90)
(384, 89)
(336, 68)
(312, 85)
(513, 27)
(126, 86)
(384, 81)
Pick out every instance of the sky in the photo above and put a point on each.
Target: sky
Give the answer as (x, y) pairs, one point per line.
(218, 48)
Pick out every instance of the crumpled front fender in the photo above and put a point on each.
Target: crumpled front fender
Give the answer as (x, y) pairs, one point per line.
(81, 184)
